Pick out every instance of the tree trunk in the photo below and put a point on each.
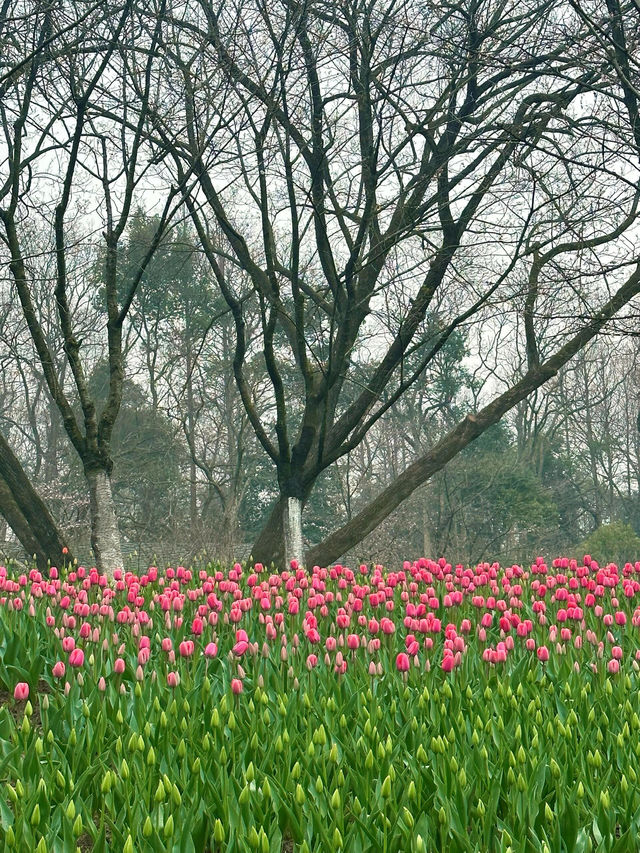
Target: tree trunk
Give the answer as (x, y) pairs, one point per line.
(105, 536)
(194, 518)
(427, 544)
(30, 518)
(20, 526)
(292, 529)
(269, 546)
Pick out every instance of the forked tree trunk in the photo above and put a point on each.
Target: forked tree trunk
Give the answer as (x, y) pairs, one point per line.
(105, 536)
(292, 531)
(280, 540)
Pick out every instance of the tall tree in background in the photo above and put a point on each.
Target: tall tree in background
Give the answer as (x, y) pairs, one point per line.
(51, 127)
(394, 158)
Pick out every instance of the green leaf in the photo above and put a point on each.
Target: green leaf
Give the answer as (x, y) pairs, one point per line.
(569, 825)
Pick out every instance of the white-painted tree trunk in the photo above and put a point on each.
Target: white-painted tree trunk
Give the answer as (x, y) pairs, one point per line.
(105, 536)
(292, 525)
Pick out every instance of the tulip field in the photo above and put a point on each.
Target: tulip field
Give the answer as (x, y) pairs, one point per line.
(433, 708)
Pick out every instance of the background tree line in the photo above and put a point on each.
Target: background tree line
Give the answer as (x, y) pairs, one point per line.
(318, 279)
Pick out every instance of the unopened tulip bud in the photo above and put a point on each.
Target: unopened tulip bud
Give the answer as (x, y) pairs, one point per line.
(218, 831)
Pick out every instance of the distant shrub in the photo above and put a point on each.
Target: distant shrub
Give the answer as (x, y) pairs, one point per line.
(612, 543)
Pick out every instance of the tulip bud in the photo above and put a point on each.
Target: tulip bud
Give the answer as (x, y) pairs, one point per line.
(385, 790)
(407, 818)
(168, 827)
(218, 831)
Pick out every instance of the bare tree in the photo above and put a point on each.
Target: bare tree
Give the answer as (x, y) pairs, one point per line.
(63, 163)
(386, 158)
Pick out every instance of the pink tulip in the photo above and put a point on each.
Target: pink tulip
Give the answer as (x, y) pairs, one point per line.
(211, 650)
(119, 666)
(402, 662)
(58, 669)
(173, 679)
(240, 648)
(76, 658)
(543, 653)
(613, 666)
(353, 642)
(21, 691)
(236, 685)
(186, 648)
(448, 663)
